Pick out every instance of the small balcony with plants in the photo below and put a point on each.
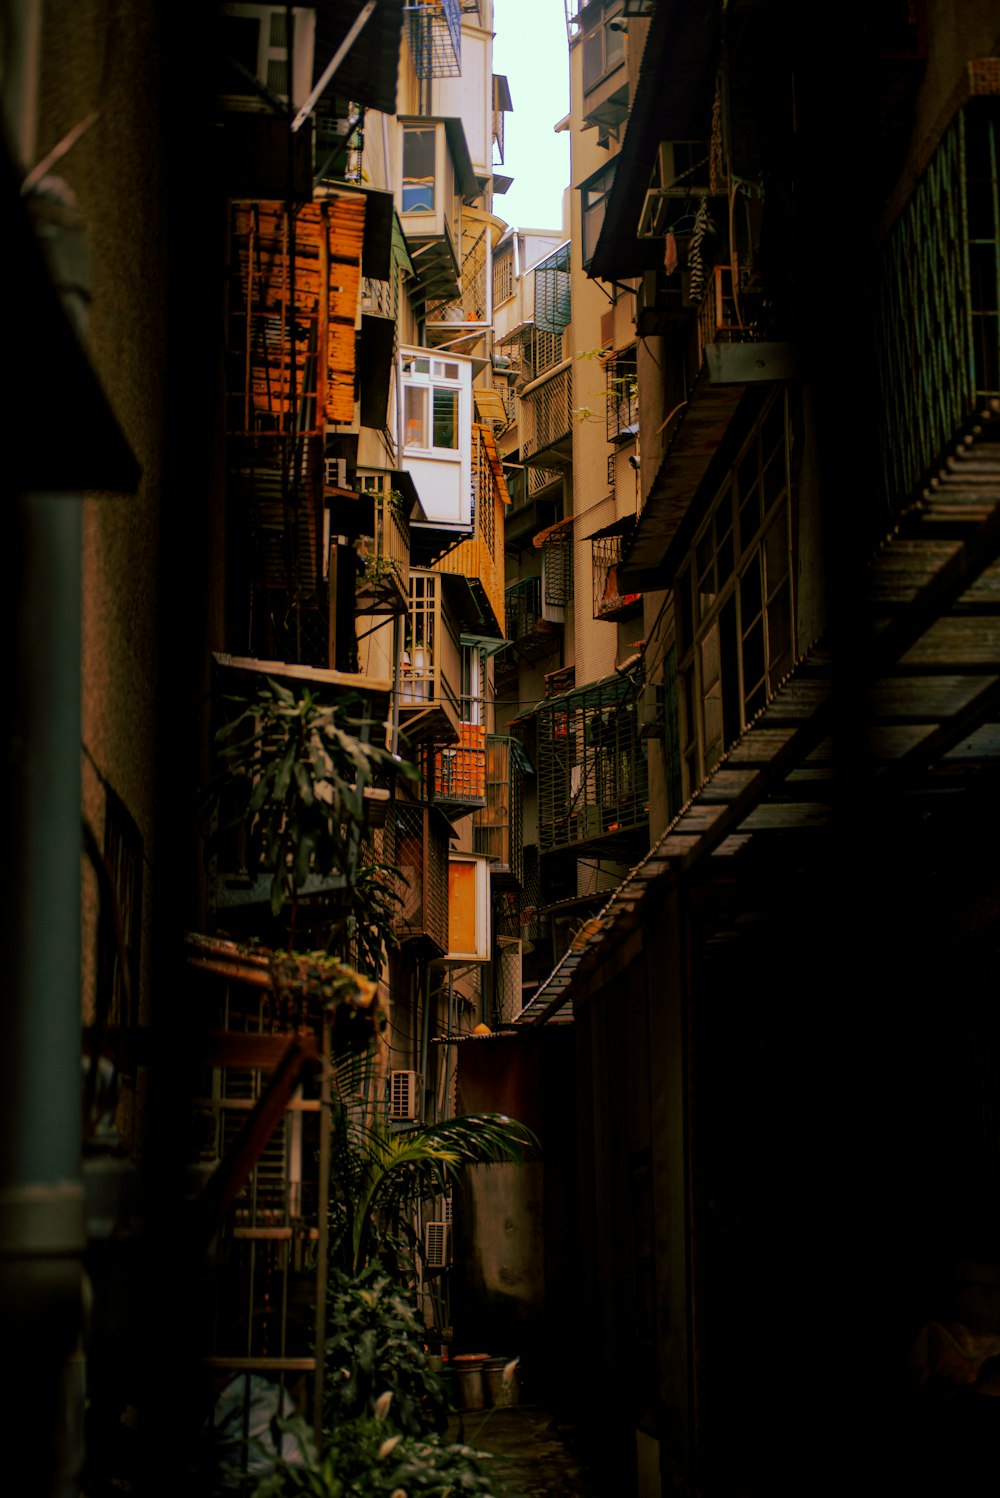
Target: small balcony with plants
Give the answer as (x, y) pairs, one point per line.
(384, 584)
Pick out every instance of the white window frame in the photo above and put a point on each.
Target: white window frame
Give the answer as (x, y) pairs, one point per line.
(427, 373)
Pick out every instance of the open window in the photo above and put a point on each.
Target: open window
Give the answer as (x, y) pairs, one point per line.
(255, 44)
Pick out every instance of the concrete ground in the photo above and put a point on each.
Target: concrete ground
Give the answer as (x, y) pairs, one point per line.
(532, 1455)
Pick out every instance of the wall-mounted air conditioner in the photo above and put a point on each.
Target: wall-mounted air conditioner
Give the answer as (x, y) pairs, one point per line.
(437, 1244)
(404, 1096)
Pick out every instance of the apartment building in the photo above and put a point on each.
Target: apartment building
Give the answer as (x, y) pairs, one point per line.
(781, 1046)
(292, 305)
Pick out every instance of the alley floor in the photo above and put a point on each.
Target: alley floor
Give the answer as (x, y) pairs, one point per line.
(532, 1454)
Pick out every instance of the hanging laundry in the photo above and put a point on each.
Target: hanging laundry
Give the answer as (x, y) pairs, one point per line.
(670, 257)
(704, 229)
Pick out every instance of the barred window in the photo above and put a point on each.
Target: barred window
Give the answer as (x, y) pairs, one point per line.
(734, 599)
(503, 278)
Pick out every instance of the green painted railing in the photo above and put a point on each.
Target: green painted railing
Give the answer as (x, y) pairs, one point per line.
(938, 335)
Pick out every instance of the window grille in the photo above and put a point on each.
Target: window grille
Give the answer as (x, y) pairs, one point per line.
(557, 566)
(938, 330)
(592, 773)
(460, 770)
(553, 308)
(503, 278)
(734, 599)
(608, 548)
(434, 32)
(522, 607)
(420, 837)
(498, 828)
(622, 397)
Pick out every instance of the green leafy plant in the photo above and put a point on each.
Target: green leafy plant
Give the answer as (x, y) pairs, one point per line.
(381, 1173)
(378, 1346)
(294, 769)
(365, 1459)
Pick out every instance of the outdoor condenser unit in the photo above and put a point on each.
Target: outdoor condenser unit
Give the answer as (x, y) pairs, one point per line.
(403, 1096)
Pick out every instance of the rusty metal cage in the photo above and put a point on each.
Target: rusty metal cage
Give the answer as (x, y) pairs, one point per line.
(498, 828)
(420, 838)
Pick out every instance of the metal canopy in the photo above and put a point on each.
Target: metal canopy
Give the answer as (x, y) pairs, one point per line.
(930, 700)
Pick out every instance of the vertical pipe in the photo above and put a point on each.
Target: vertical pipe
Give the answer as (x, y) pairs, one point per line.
(323, 1224)
(42, 1213)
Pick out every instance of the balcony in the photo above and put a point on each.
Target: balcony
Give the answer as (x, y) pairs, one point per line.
(384, 586)
(434, 34)
(467, 314)
(460, 770)
(498, 829)
(547, 420)
(480, 559)
(527, 628)
(608, 546)
(415, 841)
(275, 485)
(938, 305)
(428, 699)
(593, 790)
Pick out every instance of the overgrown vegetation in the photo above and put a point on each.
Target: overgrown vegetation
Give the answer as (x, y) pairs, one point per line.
(377, 1345)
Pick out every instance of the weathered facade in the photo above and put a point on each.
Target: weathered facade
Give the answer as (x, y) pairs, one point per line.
(784, 1037)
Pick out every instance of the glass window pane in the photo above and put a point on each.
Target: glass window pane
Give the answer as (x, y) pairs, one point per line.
(445, 418)
(415, 415)
(418, 170)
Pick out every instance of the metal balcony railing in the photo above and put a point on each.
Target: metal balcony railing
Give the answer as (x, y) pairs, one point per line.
(593, 786)
(522, 607)
(385, 583)
(498, 829)
(938, 329)
(460, 770)
(434, 32)
(480, 559)
(546, 412)
(727, 313)
(432, 657)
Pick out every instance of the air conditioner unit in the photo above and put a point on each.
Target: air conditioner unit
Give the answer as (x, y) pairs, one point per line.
(437, 1244)
(404, 1094)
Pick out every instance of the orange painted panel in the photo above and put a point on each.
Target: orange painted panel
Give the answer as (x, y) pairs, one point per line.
(461, 907)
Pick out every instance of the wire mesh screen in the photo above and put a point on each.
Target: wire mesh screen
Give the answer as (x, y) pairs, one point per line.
(507, 1003)
(553, 308)
(622, 394)
(592, 771)
(421, 854)
(434, 31)
(460, 770)
(497, 829)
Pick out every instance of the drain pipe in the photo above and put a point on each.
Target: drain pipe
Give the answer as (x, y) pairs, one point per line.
(42, 1206)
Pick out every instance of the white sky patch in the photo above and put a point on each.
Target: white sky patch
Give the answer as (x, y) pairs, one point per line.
(530, 49)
